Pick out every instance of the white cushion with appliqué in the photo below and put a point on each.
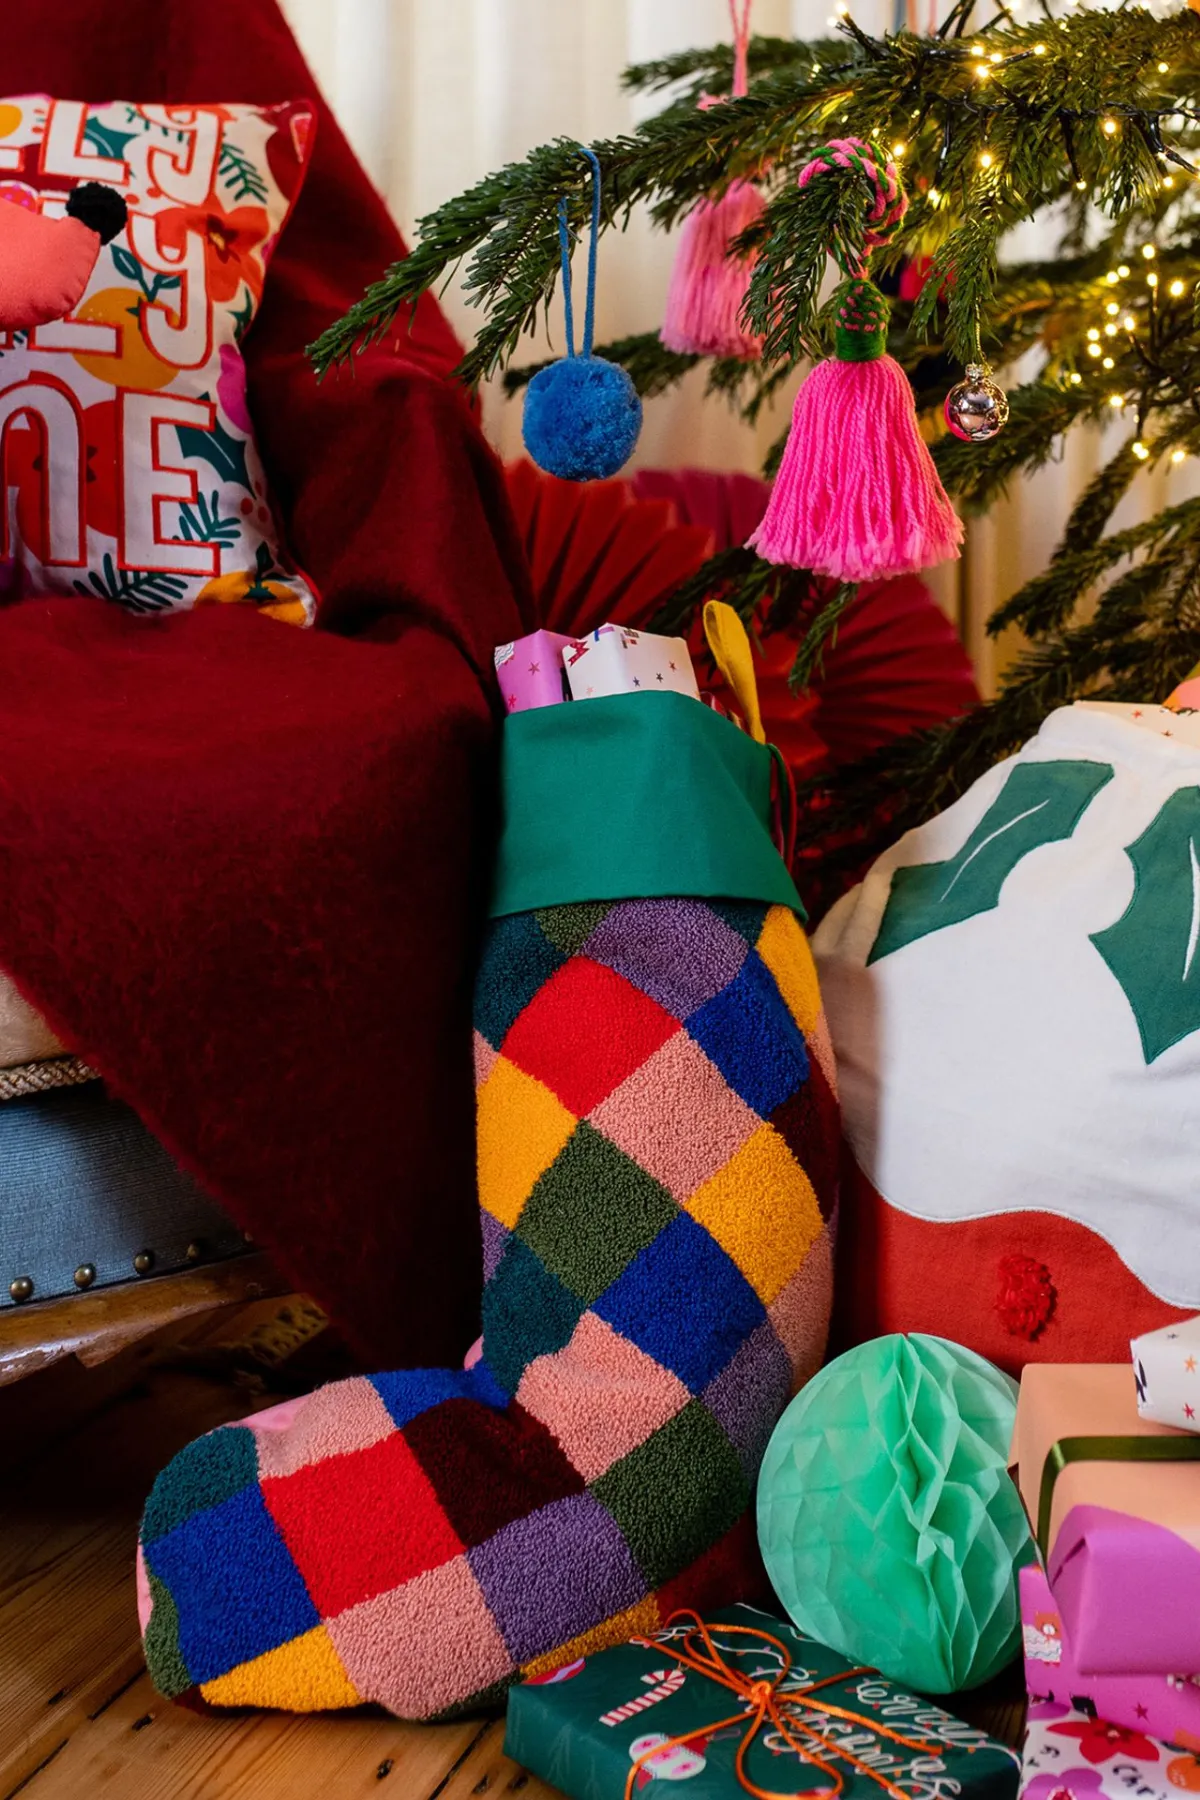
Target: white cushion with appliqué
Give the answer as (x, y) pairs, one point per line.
(1014, 998)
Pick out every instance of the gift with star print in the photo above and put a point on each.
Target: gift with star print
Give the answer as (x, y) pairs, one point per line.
(1114, 1499)
(1166, 1707)
(1166, 1366)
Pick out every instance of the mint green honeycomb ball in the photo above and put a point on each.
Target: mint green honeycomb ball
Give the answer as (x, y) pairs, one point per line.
(889, 1524)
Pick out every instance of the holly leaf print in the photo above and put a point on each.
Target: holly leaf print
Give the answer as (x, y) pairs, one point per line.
(107, 140)
(1153, 950)
(223, 452)
(128, 265)
(1040, 803)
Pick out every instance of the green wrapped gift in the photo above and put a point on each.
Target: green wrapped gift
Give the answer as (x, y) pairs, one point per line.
(686, 1703)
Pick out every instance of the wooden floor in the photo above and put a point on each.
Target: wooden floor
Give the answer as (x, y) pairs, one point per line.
(78, 1717)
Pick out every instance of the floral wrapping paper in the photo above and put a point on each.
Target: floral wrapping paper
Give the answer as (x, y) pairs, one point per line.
(1073, 1755)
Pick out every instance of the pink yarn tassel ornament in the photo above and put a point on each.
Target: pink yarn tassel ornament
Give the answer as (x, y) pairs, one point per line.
(708, 286)
(857, 496)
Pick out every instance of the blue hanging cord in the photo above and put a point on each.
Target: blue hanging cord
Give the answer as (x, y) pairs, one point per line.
(564, 243)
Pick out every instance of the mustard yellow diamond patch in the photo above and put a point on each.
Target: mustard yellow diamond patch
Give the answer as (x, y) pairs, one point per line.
(784, 948)
(762, 1210)
(304, 1675)
(521, 1128)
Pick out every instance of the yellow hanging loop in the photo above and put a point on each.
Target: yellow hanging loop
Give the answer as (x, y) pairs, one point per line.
(730, 645)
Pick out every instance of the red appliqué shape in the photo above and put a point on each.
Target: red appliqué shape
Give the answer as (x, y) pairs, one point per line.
(1027, 1296)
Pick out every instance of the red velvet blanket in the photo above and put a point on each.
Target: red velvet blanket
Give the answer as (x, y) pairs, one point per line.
(243, 865)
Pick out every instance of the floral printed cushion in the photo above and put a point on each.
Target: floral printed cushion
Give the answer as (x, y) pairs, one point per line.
(130, 471)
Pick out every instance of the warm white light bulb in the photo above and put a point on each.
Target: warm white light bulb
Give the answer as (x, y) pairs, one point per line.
(1112, 309)
(1110, 331)
(1163, 68)
(899, 150)
(1107, 363)
(977, 50)
(1110, 127)
(1093, 334)
(1111, 278)
(934, 197)
(1152, 279)
(1123, 270)
(1129, 322)
(995, 57)
(1039, 49)
(1175, 289)
(1117, 400)
(1149, 252)
(986, 159)
(1140, 450)
(1076, 378)
(1177, 456)
(1080, 185)
(982, 70)
(1093, 349)
(1168, 181)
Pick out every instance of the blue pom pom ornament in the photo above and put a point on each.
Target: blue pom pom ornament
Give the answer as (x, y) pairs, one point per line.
(583, 414)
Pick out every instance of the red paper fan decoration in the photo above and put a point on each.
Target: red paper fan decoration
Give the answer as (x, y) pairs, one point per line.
(597, 552)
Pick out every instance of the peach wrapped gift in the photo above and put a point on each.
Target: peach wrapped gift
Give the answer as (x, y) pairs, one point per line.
(1115, 1505)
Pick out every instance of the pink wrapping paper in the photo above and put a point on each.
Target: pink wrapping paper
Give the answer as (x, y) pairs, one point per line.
(1124, 1538)
(530, 671)
(1162, 1706)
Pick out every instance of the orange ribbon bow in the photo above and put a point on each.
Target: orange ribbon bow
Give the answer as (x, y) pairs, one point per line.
(762, 1703)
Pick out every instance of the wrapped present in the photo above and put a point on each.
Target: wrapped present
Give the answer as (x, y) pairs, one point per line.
(1163, 1706)
(1075, 1755)
(615, 659)
(744, 1704)
(1115, 1504)
(530, 671)
(1166, 1365)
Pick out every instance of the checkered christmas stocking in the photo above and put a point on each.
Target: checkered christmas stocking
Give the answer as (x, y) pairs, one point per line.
(657, 1167)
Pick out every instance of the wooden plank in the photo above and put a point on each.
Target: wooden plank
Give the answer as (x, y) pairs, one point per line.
(143, 1748)
(97, 1325)
(487, 1771)
(68, 1524)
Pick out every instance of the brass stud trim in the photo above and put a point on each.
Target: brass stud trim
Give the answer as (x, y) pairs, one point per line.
(84, 1275)
(143, 1262)
(20, 1289)
(195, 1250)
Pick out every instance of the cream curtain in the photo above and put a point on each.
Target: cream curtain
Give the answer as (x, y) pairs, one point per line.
(435, 93)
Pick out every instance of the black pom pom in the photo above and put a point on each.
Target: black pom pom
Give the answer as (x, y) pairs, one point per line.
(99, 207)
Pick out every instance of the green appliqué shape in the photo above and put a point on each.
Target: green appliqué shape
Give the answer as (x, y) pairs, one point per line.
(1040, 803)
(1154, 948)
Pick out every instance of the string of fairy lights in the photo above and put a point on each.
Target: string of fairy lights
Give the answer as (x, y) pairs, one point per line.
(987, 65)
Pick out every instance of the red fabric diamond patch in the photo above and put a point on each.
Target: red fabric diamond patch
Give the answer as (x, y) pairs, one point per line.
(361, 1524)
(584, 1031)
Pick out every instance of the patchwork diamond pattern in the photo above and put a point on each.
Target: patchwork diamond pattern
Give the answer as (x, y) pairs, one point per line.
(748, 1032)
(584, 1242)
(656, 1169)
(585, 1031)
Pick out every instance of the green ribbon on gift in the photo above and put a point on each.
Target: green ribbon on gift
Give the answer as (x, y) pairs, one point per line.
(1070, 1450)
(634, 796)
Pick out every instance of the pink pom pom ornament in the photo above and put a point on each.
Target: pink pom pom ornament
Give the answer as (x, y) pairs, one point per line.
(857, 496)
